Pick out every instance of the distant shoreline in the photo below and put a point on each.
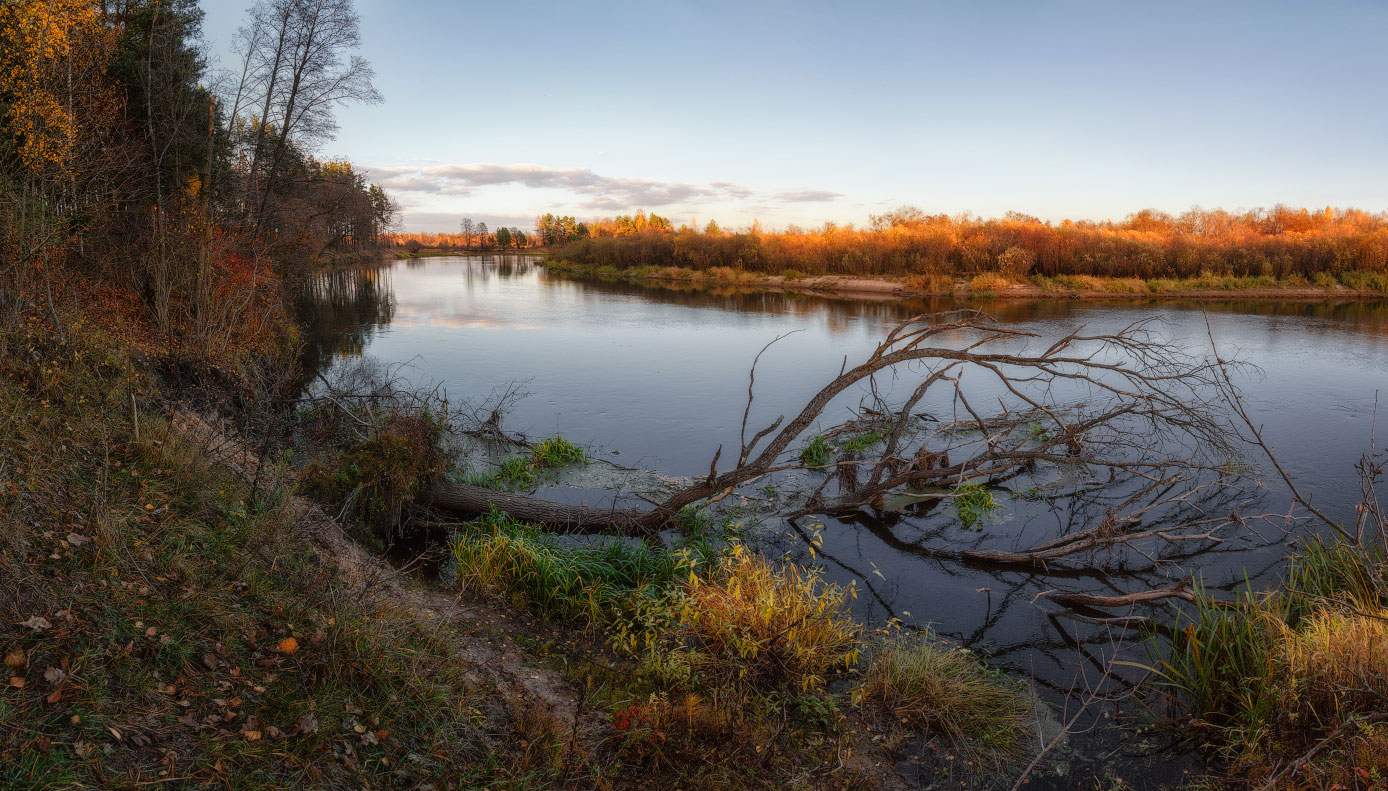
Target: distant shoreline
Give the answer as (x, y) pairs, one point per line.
(886, 288)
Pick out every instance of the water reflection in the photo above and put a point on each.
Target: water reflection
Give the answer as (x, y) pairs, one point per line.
(658, 372)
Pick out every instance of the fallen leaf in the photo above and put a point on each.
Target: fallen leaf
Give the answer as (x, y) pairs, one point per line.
(15, 658)
(288, 645)
(83, 749)
(77, 539)
(37, 622)
(252, 736)
(308, 723)
(189, 720)
(16, 682)
(54, 675)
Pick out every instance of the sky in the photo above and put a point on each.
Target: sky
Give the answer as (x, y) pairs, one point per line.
(801, 112)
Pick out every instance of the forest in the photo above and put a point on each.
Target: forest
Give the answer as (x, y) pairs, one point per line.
(184, 197)
(1280, 243)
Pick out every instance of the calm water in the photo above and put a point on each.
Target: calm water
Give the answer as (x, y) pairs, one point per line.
(660, 376)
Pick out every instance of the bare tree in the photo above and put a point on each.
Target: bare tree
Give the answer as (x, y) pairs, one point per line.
(298, 67)
(466, 228)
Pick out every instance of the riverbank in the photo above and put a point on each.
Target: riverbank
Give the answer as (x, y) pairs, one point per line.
(175, 612)
(989, 286)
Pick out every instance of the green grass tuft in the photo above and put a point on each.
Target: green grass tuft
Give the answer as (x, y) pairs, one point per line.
(973, 502)
(557, 452)
(817, 453)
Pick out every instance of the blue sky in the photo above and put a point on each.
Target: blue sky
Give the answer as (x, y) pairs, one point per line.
(802, 112)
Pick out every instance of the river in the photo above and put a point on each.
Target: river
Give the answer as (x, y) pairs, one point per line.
(656, 377)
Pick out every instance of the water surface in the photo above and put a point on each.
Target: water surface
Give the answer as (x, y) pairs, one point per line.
(656, 376)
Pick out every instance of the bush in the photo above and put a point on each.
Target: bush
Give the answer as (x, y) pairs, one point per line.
(987, 283)
(374, 478)
(763, 627)
(1015, 263)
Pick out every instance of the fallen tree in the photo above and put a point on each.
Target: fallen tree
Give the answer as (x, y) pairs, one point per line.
(1125, 408)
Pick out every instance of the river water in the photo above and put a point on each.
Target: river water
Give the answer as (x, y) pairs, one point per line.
(656, 377)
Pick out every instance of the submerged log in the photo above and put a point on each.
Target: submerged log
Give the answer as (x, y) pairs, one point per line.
(1180, 590)
(474, 500)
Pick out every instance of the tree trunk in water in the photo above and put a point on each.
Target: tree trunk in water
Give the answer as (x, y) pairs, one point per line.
(464, 499)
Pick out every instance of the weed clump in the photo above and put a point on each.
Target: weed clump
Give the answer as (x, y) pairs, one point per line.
(517, 473)
(557, 452)
(1268, 676)
(946, 690)
(973, 502)
(817, 453)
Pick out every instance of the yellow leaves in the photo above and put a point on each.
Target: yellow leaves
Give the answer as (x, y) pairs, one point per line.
(288, 645)
(53, 55)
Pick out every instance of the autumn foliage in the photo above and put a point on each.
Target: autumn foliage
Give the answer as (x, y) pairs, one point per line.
(1280, 242)
(123, 175)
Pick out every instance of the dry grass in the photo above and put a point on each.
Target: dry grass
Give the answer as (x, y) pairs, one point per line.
(941, 689)
(1290, 685)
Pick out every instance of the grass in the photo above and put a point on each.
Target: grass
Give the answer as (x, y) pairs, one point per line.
(162, 598)
(972, 503)
(944, 689)
(858, 443)
(1266, 676)
(522, 473)
(817, 453)
(517, 473)
(556, 451)
(607, 582)
(728, 659)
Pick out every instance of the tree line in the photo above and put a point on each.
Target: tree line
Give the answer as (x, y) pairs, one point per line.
(472, 236)
(1280, 242)
(128, 164)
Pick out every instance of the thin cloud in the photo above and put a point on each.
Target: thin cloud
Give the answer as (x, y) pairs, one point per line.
(601, 192)
(808, 196)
